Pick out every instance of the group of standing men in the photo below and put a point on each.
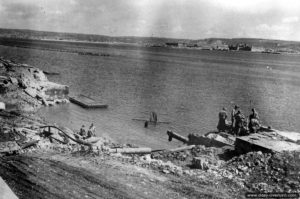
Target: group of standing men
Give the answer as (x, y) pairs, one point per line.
(238, 122)
(90, 133)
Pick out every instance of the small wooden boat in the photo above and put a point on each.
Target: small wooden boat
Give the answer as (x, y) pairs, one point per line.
(86, 102)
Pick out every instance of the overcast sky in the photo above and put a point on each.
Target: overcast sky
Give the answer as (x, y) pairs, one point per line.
(192, 19)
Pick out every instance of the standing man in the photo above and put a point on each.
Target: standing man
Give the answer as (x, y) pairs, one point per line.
(222, 125)
(82, 131)
(233, 113)
(91, 131)
(153, 117)
(239, 123)
(253, 115)
(253, 121)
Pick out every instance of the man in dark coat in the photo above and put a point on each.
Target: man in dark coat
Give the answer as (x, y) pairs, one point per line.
(233, 113)
(253, 121)
(239, 123)
(82, 131)
(222, 125)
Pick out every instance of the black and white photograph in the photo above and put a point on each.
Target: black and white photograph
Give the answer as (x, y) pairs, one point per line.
(149, 99)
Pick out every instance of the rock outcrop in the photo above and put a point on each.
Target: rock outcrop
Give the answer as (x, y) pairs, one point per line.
(28, 85)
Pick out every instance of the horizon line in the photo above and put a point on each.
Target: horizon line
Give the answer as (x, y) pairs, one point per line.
(157, 37)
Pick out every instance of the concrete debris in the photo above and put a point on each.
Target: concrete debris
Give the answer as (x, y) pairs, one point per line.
(2, 106)
(33, 82)
(185, 157)
(265, 171)
(6, 192)
(9, 147)
(31, 92)
(200, 163)
(165, 167)
(211, 139)
(265, 142)
(131, 150)
(14, 80)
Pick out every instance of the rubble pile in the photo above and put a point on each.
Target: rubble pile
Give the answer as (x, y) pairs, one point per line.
(26, 87)
(185, 158)
(266, 172)
(166, 167)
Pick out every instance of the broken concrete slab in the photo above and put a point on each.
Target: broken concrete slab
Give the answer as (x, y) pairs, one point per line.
(264, 143)
(9, 146)
(5, 191)
(294, 136)
(14, 80)
(31, 92)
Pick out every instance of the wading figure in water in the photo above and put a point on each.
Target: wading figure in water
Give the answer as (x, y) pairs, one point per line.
(152, 119)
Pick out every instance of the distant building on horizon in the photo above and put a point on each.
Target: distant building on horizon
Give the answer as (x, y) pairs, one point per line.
(258, 49)
(172, 44)
(240, 47)
(244, 47)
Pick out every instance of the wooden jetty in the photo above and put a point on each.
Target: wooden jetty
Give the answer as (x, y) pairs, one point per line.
(86, 102)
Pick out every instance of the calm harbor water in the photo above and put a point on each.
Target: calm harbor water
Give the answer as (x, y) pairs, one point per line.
(185, 87)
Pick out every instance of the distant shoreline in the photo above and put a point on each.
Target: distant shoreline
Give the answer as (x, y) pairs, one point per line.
(29, 43)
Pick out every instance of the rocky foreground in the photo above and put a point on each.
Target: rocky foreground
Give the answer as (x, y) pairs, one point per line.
(39, 164)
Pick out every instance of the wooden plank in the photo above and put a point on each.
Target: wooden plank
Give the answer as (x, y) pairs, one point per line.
(181, 148)
(131, 150)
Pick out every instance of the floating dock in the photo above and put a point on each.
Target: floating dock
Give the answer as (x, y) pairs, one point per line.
(86, 102)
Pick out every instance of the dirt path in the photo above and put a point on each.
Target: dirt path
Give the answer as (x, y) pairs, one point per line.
(32, 177)
(59, 176)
